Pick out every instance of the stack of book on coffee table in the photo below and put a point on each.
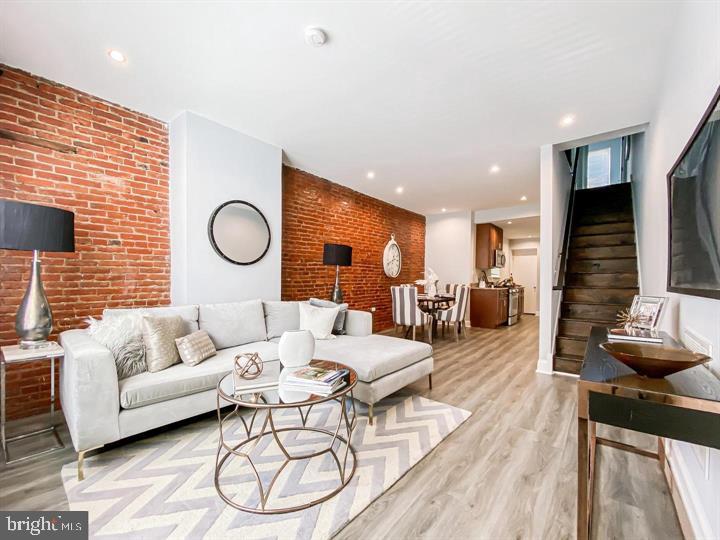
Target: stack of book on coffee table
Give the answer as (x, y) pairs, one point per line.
(315, 380)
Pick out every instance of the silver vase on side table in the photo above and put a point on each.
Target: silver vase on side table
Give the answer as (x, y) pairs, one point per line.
(34, 322)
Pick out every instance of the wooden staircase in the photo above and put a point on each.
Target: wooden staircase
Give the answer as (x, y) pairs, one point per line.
(601, 276)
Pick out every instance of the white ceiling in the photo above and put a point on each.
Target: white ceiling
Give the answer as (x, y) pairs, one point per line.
(519, 228)
(427, 95)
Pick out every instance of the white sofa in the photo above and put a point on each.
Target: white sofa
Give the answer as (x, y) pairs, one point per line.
(100, 409)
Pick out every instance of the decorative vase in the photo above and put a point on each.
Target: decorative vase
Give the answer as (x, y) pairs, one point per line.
(296, 348)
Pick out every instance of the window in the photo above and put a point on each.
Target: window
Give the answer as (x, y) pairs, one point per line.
(598, 167)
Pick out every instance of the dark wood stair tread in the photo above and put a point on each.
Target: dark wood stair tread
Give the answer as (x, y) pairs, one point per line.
(609, 245)
(584, 303)
(596, 258)
(572, 337)
(596, 322)
(597, 287)
(573, 357)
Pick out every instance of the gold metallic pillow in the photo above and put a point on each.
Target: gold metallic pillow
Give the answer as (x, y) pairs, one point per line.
(195, 347)
(159, 335)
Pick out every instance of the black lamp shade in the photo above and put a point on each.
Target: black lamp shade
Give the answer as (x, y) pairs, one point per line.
(26, 226)
(337, 254)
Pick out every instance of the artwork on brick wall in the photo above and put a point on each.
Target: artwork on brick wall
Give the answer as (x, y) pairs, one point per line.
(316, 211)
(61, 147)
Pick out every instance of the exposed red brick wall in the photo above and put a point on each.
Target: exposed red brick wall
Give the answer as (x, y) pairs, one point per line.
(316, 211)
(117, 185)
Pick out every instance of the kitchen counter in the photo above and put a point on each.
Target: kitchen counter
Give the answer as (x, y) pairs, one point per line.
(497, 288)
(489, 306)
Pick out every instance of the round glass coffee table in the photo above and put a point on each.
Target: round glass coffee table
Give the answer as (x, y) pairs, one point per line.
(271, 405)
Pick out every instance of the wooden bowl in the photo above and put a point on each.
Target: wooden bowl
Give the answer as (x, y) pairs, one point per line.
(655, 361)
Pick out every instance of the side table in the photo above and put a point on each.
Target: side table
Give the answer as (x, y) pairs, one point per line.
(13, 354)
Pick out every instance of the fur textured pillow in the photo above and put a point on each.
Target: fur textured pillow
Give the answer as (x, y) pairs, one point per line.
(122, 335)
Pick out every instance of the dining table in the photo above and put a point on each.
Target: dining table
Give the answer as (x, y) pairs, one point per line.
(433, 303)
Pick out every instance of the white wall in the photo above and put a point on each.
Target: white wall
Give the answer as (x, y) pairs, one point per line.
(210, 164)
(450, 247)
(522, 243)
(507, 212)
(555, 182)
(692, 77)
(525, 243)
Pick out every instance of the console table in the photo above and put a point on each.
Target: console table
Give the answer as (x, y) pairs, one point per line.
(684, 406)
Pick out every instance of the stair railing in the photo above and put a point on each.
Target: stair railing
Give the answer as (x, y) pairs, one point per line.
(563, 255)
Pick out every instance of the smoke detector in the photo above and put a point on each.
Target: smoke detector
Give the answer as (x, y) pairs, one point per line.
(316, 37)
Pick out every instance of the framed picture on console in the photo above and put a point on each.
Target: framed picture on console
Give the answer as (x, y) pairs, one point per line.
(694, 211)
(646, 311)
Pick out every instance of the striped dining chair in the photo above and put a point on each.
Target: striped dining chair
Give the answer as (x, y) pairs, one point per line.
(406, 311)
(455, 315)
(451, 288)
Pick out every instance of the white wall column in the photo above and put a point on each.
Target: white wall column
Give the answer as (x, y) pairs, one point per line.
(209, 165)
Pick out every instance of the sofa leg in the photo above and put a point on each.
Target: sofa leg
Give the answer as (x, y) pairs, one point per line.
(430, 381)
(370, 414)
(413, 332)
(81, 463)
(455, 328)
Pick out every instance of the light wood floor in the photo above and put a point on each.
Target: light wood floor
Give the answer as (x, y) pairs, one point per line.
(508, 472)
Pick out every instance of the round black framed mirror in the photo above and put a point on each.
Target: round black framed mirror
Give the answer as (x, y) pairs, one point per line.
(239, 232)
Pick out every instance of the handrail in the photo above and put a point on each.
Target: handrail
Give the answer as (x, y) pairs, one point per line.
(560, 281)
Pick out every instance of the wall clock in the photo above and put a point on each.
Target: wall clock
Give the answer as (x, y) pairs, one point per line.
(392, 258)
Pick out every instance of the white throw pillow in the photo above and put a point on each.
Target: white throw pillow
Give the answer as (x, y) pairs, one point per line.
(318, 320)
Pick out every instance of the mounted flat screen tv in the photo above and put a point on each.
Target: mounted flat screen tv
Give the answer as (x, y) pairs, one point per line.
(694, 210)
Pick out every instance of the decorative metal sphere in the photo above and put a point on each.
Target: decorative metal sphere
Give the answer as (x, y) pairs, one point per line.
(248, 365)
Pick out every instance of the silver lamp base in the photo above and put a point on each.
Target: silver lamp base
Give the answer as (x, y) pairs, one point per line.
(33, 322)
(337, 295)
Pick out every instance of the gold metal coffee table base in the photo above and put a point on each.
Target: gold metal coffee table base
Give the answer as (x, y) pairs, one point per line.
(244, 448)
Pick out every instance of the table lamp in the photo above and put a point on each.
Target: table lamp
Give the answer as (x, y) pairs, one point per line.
(338, 255)
(36, 228)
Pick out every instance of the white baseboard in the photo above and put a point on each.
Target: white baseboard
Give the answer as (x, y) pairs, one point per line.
(545, 365)
(689, 505)
(563, 374)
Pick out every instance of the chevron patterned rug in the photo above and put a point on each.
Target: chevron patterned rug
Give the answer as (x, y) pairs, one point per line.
(163, 486)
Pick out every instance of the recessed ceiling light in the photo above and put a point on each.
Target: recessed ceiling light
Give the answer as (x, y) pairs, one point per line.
(370, 175)
(399, 189)
(315, 37)
(567, 120)
(523, 198)
(529, 235)
(444, 210)
(116, 55)
(509, 222)
(495, 169)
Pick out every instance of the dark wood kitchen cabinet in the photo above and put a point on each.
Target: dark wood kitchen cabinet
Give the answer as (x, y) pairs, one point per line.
(488, 307)
(488, 238)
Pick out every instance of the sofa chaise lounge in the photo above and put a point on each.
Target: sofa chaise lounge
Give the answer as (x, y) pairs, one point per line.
(100, 409)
